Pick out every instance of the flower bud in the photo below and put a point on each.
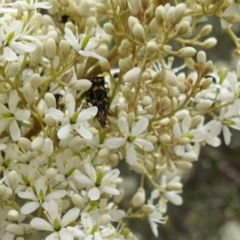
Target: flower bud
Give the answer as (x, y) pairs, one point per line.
(78, 201)
(170, 166)
(24, 143)
(53, 34)
(35, 80)
(84, 8)
(178, 13)
(132, 21)
(201, 57)
(13, 69)
(50, 48)
(203, 104)
(186, 52)
(48, 147)
(50, 100)
(165, 138)
(14, 229)
(101, 8)
(153, 26)
(113, 159)
(160, 14)
(109, 28)
(36, 55)
(138, 168)
(12, 215)
(151, 138)
(82, 85)
(104, 219)
(64, 48)
(13, 179)
(37, 143)
(206, 30)
(206, 82)
(170, 78)
(135, 6)
(103, 153)
(147, 208)
(183, 165)
(138, 32)
(152, 47)
(210, 42)
(209, 65)
(132, 75)
(165, 103)
(138, 198)
(91, 22)
(51, 173)
(28, 93)
(181, 87)
(147, 101)
(183, 27)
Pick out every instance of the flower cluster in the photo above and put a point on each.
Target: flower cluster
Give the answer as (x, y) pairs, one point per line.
(60, 166)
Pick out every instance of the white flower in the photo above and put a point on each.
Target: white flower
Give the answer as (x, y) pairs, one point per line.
(72, 120)
(13, 40)
(41, 196)
(131, 139)
(85, 47)
(156, 217)
(56, 224)
(185, 135)
(98, 183)
(12, 115)
(228, 117)
(233, 12)
(91, 229)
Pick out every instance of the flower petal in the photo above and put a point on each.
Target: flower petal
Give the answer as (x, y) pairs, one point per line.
(41, 224)
(144, 144)
(70, 216)
(86, 114)
(131, 155)
(123, 126)
(113, 143)
(94, 194)
(14, 130)
(64, 131)
(29, 207)
(70, 102)
(22, 115)
(140, 126)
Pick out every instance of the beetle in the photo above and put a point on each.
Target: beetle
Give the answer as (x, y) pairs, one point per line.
(97, 95)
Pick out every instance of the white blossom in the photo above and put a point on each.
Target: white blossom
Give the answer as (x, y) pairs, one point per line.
(56, 224)
(12, 115)
(84, 46)
(72, 120)
(131, 139)
(98, 183)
